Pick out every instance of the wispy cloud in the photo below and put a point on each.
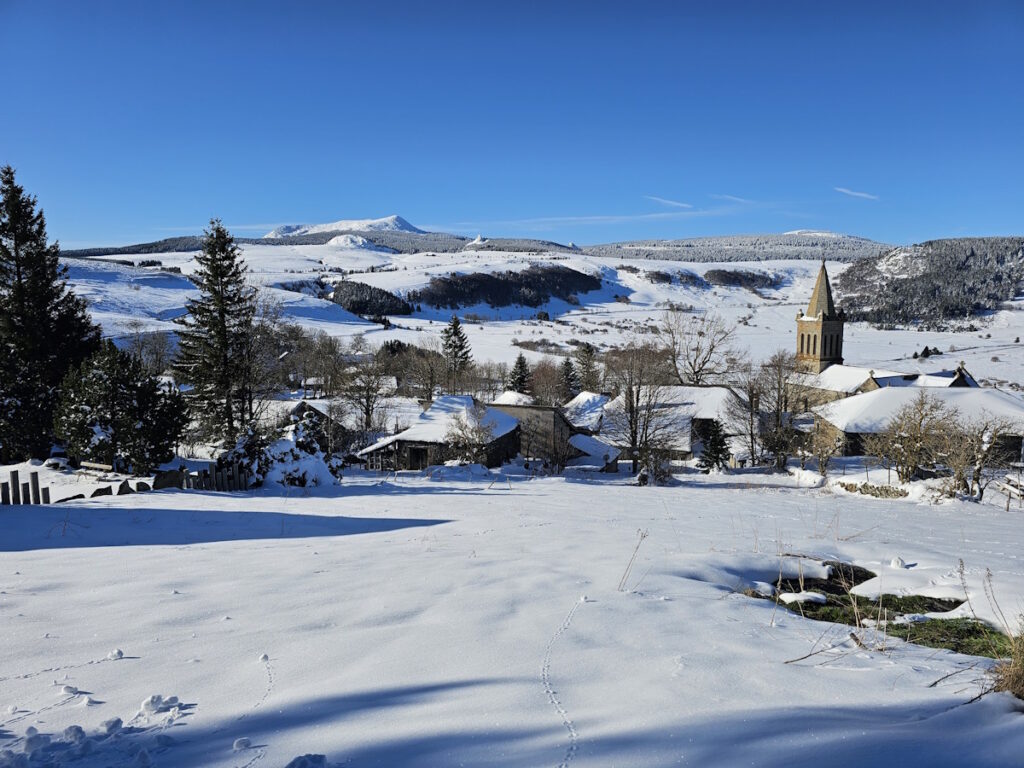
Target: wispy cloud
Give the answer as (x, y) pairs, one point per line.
(733, 199)
(666, 201)
(854, 193)
(544, 223)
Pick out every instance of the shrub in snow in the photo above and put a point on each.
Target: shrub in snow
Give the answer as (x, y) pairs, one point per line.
(292, 457)
(112, 411)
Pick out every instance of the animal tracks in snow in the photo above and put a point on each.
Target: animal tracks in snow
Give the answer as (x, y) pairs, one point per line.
(545, 678)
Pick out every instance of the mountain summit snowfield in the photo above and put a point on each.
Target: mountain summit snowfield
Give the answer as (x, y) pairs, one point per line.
(386, 224)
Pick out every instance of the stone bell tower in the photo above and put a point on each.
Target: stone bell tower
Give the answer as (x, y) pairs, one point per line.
(819, 330)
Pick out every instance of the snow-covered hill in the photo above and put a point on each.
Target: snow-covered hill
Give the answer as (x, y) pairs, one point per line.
(386, 224)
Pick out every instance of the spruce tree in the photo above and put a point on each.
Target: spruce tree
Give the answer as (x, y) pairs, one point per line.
(112, 411)
(520, 378)
(716, 448)
(44, 328)
(457, 354)
(586, 368)
(215, 338)
(569, 381)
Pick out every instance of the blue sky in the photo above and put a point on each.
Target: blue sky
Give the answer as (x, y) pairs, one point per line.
(587, 121)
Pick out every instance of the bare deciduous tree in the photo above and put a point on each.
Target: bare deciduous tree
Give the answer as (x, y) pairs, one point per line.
(913, 438)
(778, 435)
(639, 418)
(973, 450)
(742, 411)
(365, 391)
(468, 436)
(699, 346)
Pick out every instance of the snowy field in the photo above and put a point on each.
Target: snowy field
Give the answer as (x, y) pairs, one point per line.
(445, 622)
(122, 295)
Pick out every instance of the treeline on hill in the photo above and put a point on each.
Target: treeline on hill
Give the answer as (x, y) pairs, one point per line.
(530, 287)
(742, 278)
(369, 300)
(934, 283)
(792, 245)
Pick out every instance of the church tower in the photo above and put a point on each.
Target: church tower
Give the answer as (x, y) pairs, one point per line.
(819, 330)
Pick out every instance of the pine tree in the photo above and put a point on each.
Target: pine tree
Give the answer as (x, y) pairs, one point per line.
(586, 368)
(569, 381)
(112, 411)
(457, 354)
(44, 328)
(520, 378)
(216, 336)
(716, 448)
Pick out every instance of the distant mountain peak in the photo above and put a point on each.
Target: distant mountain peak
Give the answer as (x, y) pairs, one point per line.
(392, 223)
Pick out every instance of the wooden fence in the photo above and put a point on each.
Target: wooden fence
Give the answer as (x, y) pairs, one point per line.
(232, 477)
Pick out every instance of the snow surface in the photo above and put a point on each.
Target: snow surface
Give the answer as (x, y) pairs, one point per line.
(455, 622)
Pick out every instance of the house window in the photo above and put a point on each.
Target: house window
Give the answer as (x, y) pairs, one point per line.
(815, 344)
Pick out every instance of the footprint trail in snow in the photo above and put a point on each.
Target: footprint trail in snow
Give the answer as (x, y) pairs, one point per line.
(545, 677)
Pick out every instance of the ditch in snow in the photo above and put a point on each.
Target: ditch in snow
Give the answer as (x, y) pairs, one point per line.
(898, 616)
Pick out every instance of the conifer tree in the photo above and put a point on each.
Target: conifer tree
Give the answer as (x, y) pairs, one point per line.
(716, 448)
(569, 381)
(112, 411)
(586, 368)
(457, 354)
(215, 338)
(44, 328)
(520, 378)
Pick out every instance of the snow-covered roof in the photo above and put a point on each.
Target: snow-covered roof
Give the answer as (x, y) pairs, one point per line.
(871, 412)
(596, 453)
(510, 397)
(841, 378)
(935, 379)
(849, 378)
(433, 424)
(585, 410)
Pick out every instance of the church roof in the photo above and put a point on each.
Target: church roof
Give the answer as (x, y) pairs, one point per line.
(821, 300)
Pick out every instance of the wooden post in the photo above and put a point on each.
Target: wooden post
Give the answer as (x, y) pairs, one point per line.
(25, 493)
(15, 488)
(34, 479)
(5, 493)
(46, 495)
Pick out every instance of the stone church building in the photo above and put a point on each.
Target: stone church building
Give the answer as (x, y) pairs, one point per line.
(821, 375)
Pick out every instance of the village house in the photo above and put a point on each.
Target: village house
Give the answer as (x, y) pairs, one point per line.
(427, 441)
(852, 419)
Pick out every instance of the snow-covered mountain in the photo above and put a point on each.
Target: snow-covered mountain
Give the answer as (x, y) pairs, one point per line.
(386, 224)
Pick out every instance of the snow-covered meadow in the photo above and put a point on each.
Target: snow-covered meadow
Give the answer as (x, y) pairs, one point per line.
(124, 298)
(449, 621)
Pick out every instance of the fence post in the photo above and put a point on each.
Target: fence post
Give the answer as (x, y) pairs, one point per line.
(5, 493)
(34, 478)
(25, 493)
(46, 495)
(15, 488)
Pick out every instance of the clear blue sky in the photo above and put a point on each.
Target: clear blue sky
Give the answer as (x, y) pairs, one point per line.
(586, 121)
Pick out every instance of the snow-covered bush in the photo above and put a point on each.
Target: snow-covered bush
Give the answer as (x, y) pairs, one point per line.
(292, 456)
